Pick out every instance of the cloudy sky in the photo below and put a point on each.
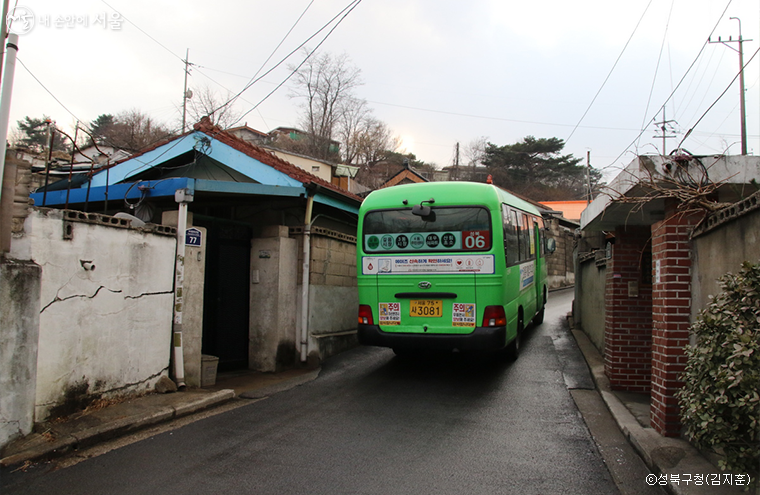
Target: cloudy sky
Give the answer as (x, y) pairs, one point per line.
(437, 72)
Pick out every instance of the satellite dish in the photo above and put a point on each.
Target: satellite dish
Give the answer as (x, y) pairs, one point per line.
(136, 222)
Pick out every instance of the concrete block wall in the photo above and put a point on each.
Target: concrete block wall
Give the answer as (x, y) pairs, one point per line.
(333, 298)
(560, 264)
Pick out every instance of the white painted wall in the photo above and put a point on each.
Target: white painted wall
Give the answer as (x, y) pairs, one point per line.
(105, 330)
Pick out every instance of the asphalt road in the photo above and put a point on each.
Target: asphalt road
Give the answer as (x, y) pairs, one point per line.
(373, 423)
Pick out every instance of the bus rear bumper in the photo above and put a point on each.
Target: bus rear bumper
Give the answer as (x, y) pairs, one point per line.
(481, 339)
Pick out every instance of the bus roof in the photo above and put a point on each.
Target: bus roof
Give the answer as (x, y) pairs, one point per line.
(445, 194)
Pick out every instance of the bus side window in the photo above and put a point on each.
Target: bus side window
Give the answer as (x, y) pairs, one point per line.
(511, 245)
(527, 246)
(516, 223)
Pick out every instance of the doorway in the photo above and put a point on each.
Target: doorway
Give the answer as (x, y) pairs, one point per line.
(226, 297)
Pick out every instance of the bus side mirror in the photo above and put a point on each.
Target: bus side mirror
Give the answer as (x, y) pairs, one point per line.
(421, 210)
(551, 245)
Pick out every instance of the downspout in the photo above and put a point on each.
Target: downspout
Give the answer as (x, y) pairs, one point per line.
(183, 197)
(305, 275)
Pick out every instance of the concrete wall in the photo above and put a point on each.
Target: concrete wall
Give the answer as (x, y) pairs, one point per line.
(273, 323)
(105, 307)
(722, 249)
(589, 311)
(192, 309)
(19, 327)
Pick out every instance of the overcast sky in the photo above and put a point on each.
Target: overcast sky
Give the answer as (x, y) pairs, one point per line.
(437, 72)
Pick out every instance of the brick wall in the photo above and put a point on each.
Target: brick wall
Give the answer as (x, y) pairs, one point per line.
(671, 315)
(628, 312)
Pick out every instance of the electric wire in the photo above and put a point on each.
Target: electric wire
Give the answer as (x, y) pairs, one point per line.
(718, 98)
(347, 10)
(143, 31)
(672, 93)
(276, 48)
(610, 73)
(352, 6)
(656, 71)
(46, 89)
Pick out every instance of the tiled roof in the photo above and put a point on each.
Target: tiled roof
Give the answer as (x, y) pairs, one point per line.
(266, 157)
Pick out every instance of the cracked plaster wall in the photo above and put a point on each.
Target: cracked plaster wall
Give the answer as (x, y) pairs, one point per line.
(19, 324)
(106, 329)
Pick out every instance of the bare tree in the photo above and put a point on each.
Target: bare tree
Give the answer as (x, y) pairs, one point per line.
(352, 121)
(207, 103)
(326, 83)
(375, 141)
(130, 130)
(475, 151)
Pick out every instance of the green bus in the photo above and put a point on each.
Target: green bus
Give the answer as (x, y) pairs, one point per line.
(449, 265)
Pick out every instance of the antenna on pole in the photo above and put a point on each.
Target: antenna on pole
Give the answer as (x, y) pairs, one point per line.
(666, 128)
(740, 51)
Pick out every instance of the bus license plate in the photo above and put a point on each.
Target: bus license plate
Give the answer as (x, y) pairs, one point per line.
(430, 308)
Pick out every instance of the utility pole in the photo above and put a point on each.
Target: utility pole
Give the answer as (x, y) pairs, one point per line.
(185, 95)
(588, 176)
(663, 126)
(456, 162)
(741, 79)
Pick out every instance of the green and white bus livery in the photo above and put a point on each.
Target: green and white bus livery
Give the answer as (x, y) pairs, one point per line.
(449, 265)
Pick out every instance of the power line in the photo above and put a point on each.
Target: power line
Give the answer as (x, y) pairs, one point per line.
(500, 119)
(144, 32)
(672, 93)
(347, 11)
(610, 73)
(719, 97)
(276, 48)
(46, 89)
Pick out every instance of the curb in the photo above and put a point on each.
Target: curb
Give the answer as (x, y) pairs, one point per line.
(262, 392)
(40, 448)
(673, 458)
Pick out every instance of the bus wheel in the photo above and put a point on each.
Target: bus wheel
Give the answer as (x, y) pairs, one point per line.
(539, 318)
(513, 348)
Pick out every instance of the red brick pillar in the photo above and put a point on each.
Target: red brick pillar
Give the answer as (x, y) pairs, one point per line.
(671, 310)
(628, 311)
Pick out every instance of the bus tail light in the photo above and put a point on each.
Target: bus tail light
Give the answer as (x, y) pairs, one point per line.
(494, 316)
(365, 315)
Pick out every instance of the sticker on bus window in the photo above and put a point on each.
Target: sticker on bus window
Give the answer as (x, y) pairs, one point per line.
(467, 240)
(465, 263)
(463, 315)
(527, 274)
(390, 313)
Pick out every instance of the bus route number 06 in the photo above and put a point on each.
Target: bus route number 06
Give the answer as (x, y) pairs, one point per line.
(476, 239)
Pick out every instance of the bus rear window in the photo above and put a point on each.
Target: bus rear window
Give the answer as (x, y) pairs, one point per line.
(460, 228)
